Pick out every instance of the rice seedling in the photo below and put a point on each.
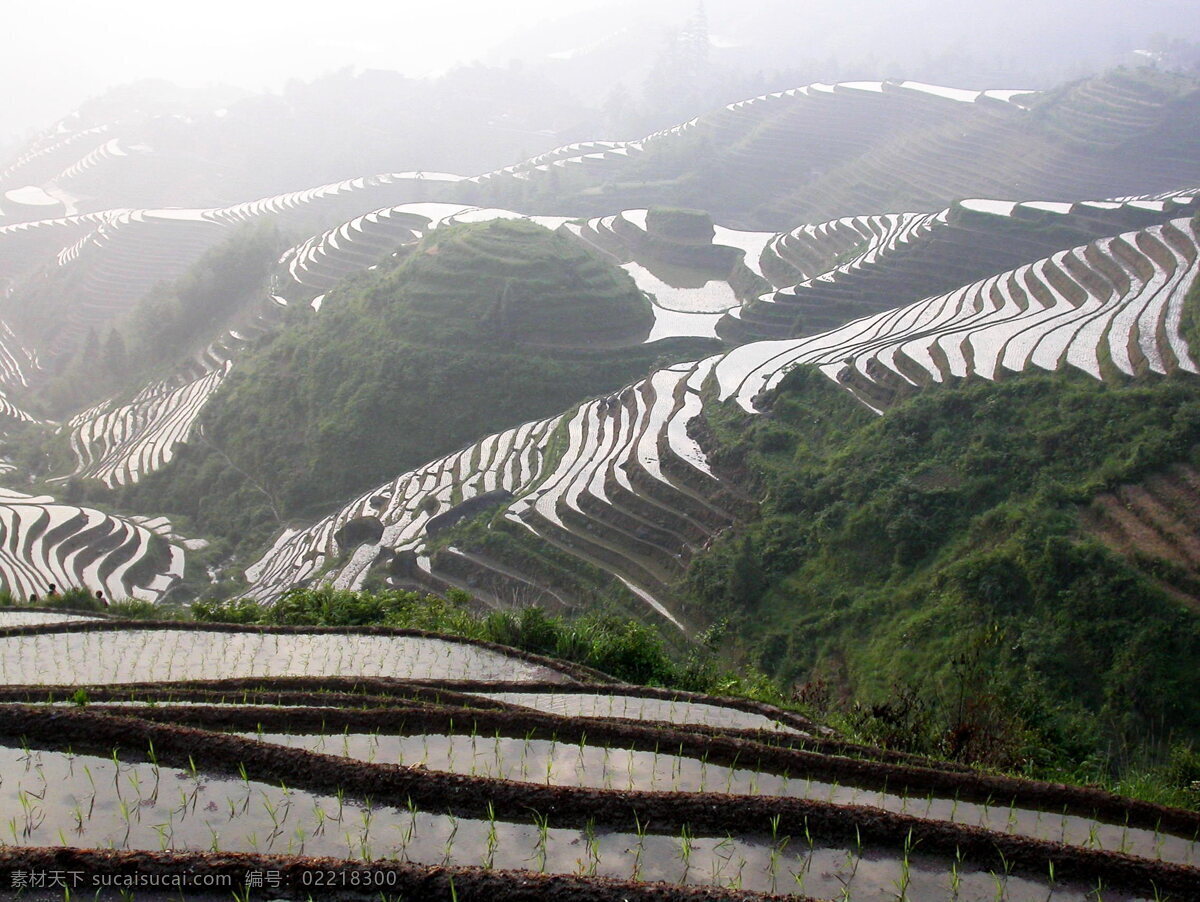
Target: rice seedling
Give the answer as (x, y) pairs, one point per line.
(593, 847)
(492, 837)
(448, 849)
(998, 886)
(776, 851)
(956, 867)
(902, 883)
(320, 817)
(686, 847)
(367, 813)
(640, 829)
(543, 827)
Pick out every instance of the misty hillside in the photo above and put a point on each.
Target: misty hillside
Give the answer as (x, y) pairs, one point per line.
(773, 45)
(843, 431)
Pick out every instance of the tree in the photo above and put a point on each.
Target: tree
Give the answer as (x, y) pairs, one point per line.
(747, 579)
(115, 361)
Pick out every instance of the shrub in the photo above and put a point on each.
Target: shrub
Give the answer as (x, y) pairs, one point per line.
(235, 610)
(75, 599)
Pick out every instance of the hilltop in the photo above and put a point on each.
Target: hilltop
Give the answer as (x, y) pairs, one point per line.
(508, 283)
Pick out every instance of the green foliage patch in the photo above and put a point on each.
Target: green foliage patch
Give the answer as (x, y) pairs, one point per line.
(927, 568)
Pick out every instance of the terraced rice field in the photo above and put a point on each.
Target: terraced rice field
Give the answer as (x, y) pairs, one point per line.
(115, 256)
(17, 365)
(405, 755)
(1115, 304)
(121, 251)
(45, 154)
(622, 483)
(118, 444)
(44, 542)
(876, 257)
(173, 810)
(428, 759)
(712, 297)
(753, 245)
(829, 273)
(131, 655)
(10, 618)
(876, 144)
(58, 802)
(1155, 518)
(543, 792)
(597, 766)
(359, 244)
(819, 118)
(618, 482)
(637, 708)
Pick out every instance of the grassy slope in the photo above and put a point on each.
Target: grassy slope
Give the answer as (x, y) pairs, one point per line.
(402, 365)
(930, 561)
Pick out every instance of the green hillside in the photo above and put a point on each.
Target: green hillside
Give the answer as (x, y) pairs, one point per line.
(480, 327)
(933, 563)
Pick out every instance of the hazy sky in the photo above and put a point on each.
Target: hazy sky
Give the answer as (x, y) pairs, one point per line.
(57, 53)
(61, 52)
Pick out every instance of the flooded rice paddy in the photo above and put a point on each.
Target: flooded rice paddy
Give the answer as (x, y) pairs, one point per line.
(52, 798)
